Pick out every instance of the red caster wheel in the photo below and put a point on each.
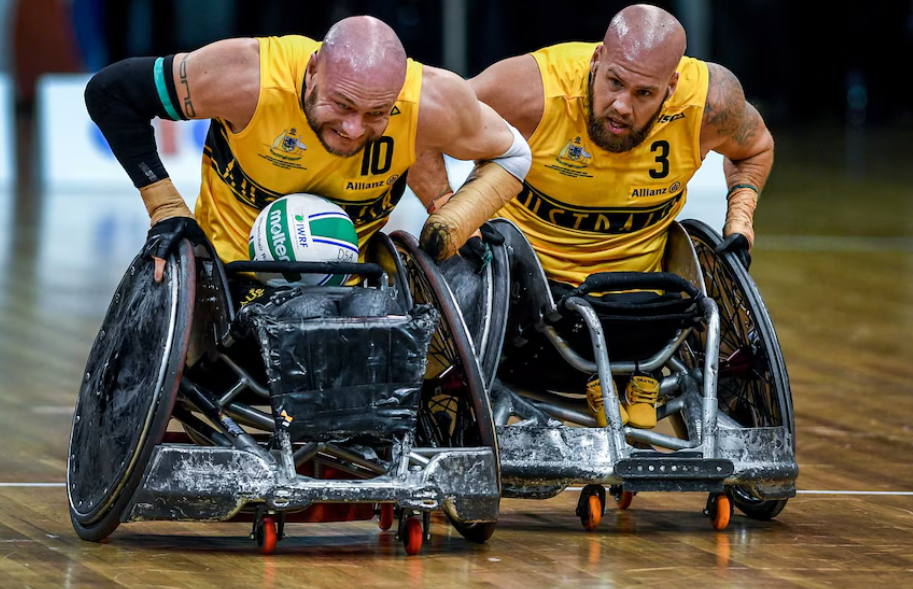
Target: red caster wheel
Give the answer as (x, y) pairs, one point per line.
(385, 516)
(267, 535)
(412, 535)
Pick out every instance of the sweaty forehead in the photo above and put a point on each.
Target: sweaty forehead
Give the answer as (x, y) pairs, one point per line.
(376, 80)
(630, 56)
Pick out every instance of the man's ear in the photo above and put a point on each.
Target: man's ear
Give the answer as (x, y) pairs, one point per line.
(594, 61)
(311, 71)
(673, 84)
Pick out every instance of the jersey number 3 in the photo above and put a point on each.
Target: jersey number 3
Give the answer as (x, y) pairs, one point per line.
(662, 159)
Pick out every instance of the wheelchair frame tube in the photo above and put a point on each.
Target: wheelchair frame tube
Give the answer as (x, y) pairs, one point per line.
(711, 365)
(610, 395)
(574, 359)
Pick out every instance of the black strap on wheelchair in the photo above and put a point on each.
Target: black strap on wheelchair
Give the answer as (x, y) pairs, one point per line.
(366, 270)
(618, 281)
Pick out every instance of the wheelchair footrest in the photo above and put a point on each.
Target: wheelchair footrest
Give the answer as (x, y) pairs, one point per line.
(653, 471)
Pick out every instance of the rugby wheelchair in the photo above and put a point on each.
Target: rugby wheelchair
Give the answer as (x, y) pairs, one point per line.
(307, 404)
(723, 381)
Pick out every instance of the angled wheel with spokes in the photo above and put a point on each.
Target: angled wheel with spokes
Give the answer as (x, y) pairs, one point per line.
(455, 411)
(753, 385)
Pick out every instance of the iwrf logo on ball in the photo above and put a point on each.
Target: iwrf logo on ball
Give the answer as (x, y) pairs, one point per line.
(301, 229)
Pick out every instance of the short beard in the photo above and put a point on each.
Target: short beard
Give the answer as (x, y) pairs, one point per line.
(599, 133)
(310, 102)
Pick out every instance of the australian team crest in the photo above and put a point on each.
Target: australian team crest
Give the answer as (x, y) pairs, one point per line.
(288, 145)
(574, 155)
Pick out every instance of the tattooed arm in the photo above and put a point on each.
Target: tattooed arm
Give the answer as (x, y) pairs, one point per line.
(221, 80)
(734, 128)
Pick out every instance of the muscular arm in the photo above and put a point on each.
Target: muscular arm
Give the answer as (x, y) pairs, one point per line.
(513, 89)
(734, 128)
(454, 122)
(221, 80)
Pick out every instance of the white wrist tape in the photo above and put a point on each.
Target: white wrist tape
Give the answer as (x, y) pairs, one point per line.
(518, 159)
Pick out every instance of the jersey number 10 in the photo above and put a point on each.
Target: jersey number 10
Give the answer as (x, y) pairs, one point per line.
(378, 157)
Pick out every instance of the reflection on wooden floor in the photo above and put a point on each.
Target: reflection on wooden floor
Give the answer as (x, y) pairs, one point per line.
(844, 313)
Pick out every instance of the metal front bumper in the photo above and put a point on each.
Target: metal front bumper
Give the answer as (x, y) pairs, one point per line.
(540, 462)
(214, 483)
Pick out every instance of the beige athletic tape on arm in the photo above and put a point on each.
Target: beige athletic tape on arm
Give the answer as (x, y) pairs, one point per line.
(163, 201)
(488, 189)
(740, 213)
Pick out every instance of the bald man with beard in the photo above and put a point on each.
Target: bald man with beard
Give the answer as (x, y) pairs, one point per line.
(343, 118)
(616, 130)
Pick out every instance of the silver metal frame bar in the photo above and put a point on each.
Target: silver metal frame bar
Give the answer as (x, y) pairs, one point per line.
(711, 365)
(583, 365)
(243, 378)
(619, 447)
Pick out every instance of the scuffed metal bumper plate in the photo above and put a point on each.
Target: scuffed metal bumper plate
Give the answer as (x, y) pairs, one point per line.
(539, 462)
(212, 484)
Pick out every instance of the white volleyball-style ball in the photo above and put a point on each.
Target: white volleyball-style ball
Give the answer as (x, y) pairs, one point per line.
(303, 228)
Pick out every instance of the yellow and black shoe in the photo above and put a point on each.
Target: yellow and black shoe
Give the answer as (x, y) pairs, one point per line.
(640, 398)
(596, 404)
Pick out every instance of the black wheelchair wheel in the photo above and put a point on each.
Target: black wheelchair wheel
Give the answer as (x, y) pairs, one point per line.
(454, 410)
(753, 386)
(128, 391)
(497, 292)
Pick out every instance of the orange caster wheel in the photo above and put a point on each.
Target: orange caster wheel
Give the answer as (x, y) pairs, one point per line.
(719, 509)
(591, 506)
(412, 535)
(385, 516)
(623, 499)
(267, 535)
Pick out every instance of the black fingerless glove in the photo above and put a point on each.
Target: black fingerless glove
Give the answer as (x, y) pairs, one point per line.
(163, 238)
(736, 244)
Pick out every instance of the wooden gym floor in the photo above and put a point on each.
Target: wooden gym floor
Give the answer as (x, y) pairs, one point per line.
(833, 261)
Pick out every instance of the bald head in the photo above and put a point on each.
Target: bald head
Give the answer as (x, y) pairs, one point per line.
(365, 50)
(647, 35)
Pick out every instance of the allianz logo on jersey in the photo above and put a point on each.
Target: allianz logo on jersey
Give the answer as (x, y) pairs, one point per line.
(644, 192)
(361, 185)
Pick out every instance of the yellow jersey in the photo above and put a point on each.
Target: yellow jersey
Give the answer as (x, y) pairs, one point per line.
(278, 154)
(587, 210)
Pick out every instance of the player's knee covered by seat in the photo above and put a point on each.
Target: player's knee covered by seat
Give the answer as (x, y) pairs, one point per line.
(369, 302)
(308, 305)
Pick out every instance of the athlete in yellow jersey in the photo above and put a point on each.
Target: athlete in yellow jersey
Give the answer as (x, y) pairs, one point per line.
(343, 119)
(617, 129)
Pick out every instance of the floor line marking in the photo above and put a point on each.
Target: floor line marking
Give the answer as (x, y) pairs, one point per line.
(33, 484)
(825, 492)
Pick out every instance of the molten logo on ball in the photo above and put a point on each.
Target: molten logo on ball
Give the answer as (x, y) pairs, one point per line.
(303, 228)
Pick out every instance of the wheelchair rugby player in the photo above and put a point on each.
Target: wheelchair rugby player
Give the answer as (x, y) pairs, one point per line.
(327, 389)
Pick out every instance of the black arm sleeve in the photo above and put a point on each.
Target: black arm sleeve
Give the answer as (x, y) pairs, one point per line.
(122, 99)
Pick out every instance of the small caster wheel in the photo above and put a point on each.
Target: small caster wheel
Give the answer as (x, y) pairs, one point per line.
(267, 535)
(623, 499)
(591, 506)
(385, 516)
(719, 509)
(412, 535)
